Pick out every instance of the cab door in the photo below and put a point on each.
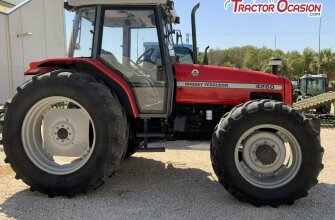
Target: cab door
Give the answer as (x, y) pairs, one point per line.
(131, 45)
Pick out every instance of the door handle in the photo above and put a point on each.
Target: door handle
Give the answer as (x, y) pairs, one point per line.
(28, 34)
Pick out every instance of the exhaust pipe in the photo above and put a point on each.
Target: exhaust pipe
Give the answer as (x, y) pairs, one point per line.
(194, 34)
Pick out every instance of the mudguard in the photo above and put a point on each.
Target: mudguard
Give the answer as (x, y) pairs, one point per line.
(100, 70)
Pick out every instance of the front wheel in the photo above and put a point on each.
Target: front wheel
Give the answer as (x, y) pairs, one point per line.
(266, 153)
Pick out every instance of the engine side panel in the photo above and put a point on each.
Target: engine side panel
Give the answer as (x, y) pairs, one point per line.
(199, 84)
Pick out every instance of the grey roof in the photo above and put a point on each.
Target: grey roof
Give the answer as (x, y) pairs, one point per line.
(16, 5)
(13, 2)
(314, 76)
(115, 2)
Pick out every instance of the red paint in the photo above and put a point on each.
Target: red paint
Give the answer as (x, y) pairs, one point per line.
(288, 92)
(49, 65)
(39, 70)
(200, 95)
(226, 96)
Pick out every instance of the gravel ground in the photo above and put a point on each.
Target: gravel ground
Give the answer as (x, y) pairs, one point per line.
(178, 184)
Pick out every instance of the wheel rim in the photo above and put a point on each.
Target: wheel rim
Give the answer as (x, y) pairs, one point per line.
(58, 135)
(268, 156)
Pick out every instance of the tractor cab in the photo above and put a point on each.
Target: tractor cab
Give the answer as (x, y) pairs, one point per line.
(134, 41)
(313, 85)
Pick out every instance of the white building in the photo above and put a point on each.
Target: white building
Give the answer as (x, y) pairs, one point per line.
(30, 30)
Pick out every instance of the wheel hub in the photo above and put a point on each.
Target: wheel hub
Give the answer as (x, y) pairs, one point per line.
(66, 133)
(266, 154)
(62, 134)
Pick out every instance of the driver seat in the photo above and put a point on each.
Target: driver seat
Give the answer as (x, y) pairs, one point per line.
(112, 60)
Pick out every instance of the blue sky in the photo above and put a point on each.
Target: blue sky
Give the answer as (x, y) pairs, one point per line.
(220, 28)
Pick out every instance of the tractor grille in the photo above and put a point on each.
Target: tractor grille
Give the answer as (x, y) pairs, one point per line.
(264, 95)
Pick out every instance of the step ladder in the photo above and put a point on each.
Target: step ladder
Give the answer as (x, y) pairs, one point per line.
(146, 135)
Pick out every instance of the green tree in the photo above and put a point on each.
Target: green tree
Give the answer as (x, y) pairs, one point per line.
(309, 58)
(295, 64)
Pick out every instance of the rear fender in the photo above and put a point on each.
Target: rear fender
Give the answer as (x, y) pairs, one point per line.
(96, 69)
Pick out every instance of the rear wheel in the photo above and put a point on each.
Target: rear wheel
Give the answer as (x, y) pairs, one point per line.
(266, 153)
(65, 133)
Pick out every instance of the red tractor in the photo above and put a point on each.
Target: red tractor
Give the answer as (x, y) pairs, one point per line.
(75, 121)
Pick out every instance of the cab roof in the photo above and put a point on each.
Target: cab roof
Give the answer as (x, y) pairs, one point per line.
(77, 3)
(314, 76)
(165, 4)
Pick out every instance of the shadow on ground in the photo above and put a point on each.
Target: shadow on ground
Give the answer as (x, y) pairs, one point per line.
(149, 189)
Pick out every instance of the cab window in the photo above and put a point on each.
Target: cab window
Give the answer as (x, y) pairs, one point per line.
(130, 45)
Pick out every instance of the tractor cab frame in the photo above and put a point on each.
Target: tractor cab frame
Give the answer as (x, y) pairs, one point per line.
(313, 85)
(117, 36)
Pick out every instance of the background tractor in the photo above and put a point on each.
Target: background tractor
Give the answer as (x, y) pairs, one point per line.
(312, 86)
(75, 121)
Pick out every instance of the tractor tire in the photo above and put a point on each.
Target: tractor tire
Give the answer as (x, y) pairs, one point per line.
(266, 153)
(63, 163)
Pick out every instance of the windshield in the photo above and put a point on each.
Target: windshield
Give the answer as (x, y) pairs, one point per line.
(313, 86)
(184, 54)
(180, 53)
(81, 41)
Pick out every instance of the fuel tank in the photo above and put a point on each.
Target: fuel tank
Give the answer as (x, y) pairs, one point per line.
(204, 84)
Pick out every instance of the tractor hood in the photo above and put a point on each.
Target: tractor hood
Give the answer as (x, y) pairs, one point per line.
(221, 85)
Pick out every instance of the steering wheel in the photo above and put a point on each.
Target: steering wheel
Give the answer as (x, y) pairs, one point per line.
(148, 52)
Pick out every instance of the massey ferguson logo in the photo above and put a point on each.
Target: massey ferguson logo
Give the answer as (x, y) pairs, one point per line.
(272, 6)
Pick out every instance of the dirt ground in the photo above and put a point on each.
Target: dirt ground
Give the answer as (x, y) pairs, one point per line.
(178, 184)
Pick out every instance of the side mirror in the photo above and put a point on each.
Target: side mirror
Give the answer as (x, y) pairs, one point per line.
(206, 56)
